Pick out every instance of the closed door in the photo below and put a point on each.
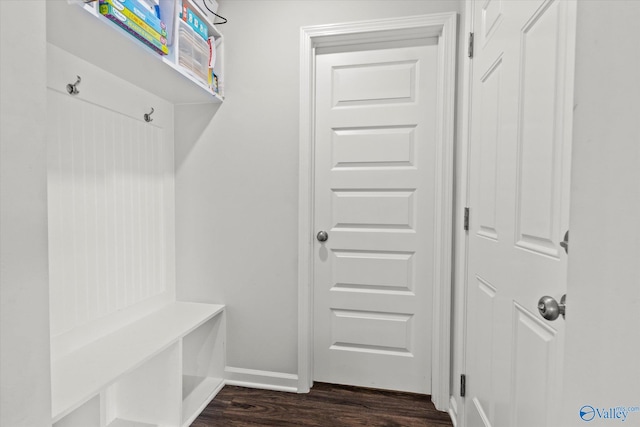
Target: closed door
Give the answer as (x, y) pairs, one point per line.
(519, 196)
(374, 198)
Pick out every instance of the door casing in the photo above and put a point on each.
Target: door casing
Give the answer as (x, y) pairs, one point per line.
(444, 27)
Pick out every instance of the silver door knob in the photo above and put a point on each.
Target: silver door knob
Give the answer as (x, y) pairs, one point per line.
(550, 309)
(322, 236)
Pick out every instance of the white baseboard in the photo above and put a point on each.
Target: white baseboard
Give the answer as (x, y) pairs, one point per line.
(453, 411)
(267, 380)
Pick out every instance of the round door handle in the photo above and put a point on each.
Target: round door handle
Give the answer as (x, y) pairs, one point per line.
(550, 309)
(322, 236)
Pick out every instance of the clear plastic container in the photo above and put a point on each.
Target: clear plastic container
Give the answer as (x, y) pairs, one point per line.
(193, 52)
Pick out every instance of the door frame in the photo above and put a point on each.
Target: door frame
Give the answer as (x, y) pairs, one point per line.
(443, 26)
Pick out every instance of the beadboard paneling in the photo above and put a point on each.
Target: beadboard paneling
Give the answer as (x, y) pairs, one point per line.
(110, 190)
(106, 211)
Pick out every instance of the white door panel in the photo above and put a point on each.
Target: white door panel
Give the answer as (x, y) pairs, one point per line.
(374, 147)
(373, 209)
(375, 193)
(374, 271)
(519, 182)
(361, 84)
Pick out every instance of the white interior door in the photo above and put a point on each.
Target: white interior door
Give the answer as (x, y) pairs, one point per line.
(519, 197)
(374, 196)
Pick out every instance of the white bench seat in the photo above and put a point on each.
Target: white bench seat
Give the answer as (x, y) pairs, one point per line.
(82, 374)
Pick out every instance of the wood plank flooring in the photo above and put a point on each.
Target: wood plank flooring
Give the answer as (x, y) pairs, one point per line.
(326, 405)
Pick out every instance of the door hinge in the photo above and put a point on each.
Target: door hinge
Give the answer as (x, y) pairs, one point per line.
(470, 51)
(466, 219)
(463, 385)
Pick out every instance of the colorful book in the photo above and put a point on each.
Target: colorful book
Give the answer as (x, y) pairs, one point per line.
(129, 25)
(141, 12)
(129, 14)
(188, 16)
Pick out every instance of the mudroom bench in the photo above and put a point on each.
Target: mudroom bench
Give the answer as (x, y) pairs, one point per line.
(160, 370)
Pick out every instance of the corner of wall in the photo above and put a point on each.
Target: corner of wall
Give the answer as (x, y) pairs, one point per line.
(25, 396)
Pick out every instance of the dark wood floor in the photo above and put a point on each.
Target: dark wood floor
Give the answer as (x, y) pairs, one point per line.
(326, 405)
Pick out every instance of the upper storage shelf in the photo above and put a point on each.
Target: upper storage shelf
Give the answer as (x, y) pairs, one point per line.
(80, 29)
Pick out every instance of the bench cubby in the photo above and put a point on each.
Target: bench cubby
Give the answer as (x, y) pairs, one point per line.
(160, 370)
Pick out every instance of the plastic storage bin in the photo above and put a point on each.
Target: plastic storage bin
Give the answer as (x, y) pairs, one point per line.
(193, 53)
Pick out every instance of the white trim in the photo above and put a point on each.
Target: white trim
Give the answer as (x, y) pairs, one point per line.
(443, 273)
(305, 211)
(461, 238)
(453, 412)
(435, 25)
(267, 380)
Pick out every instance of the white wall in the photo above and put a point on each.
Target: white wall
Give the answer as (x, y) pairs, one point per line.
(237, 184)
(602, 366)
(24, 293)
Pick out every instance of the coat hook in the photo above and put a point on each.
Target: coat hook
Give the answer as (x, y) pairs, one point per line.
(72, 89)
(147, 117)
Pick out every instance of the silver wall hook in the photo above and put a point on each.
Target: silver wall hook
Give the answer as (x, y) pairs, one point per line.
(72, 89)
(147, 117)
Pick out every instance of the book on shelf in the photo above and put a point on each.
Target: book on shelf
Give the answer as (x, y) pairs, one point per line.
(142, 14)
(131, 22)
(188, 16)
